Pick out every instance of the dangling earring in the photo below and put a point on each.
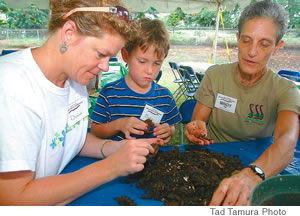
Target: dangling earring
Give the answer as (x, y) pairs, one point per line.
(63, 47)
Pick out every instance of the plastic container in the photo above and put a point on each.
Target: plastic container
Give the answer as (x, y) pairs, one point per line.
(291, 75)
(281, 190)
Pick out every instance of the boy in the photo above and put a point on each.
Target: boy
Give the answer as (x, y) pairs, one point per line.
(123, 106)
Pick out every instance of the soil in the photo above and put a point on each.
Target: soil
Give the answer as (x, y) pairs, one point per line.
(185, 178)
(149, 124)
(125, 201)
(156, 148)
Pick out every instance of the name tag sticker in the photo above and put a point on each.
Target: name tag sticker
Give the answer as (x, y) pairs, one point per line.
(152, 113)
(226, 103)
(77, 111)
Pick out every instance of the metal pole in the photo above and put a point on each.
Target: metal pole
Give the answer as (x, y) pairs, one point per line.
(227, 49)
(216, 35)
(7, 36)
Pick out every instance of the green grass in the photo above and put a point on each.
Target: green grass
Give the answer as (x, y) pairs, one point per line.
(206, 37)
(176, 138)
(18, 44)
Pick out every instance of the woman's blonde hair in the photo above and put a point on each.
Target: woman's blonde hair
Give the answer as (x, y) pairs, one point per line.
(89, 23)
(150, 32)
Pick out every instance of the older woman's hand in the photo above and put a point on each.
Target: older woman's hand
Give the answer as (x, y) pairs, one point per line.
(235, 190)
(196, 132)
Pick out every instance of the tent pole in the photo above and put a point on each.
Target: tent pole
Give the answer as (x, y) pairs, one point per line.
(216, 35)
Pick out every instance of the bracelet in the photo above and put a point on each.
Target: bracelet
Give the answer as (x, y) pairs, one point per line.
(101, 148)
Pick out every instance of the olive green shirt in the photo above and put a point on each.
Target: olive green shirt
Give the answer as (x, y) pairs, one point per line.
(257, 106)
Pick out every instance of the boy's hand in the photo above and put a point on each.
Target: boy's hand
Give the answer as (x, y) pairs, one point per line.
(164, 131)
(132, 125)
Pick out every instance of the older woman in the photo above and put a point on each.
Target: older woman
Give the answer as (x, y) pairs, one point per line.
(44, 108)
(246, 100)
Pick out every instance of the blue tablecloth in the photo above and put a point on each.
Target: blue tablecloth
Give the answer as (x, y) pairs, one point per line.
(105, 194)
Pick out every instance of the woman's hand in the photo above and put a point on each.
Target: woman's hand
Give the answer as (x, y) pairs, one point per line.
(236, 190)
(131, 155)
(196, 132)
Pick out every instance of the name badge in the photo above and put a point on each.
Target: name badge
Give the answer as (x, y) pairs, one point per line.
(77, 111)
(152, 113)
(226, 103)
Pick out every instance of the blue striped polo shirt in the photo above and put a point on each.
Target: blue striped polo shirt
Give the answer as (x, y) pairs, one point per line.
(116, 100)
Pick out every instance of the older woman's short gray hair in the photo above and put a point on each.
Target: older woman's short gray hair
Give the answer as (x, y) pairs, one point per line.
(266, 8)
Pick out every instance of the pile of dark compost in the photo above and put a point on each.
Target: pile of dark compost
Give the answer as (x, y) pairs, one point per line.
(185, 178)
(125, 201)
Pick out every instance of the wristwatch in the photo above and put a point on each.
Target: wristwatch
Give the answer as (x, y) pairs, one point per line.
(258, 171)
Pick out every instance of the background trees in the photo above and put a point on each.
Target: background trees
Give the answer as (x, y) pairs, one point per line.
(29, 18)
(150, 13)
(207, 17)
(34, 18)
(293, 8)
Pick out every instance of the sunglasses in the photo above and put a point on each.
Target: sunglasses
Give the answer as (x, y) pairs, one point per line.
(119, 11)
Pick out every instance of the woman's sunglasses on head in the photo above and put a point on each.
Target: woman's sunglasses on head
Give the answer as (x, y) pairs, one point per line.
(118, 11)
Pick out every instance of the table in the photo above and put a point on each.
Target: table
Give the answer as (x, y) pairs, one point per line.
(104, 195)
(291, 75)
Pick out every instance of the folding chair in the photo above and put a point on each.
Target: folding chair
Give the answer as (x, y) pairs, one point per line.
(190, 70)
(113, 59)
(181, 89)
(189, 82)
(158, 76)
(186, 110)
(199, 76)
(291, 75)
(194, 75)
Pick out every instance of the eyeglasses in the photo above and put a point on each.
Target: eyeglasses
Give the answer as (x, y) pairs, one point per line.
(118, 11)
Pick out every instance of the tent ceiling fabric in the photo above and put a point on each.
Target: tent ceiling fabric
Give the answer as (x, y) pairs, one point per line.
(163, 6)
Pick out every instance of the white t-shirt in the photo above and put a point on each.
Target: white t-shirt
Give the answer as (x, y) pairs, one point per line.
(42, 126)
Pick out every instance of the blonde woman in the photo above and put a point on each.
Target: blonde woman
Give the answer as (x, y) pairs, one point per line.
(44, 108)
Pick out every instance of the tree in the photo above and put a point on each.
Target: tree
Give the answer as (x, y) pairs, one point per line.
(293, 8)
(204, 18)
(175, 18)
(173, 21)
(150, 13)
(3, 11)
(30, 18)
(231, 18)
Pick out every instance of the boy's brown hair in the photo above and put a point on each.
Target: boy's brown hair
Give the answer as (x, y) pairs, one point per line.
(150, 32)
